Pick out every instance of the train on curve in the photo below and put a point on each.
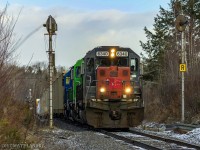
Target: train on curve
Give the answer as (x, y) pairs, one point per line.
(102, 89)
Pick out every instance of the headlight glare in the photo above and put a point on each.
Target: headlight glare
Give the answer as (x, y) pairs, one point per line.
(112, 55)
(102, 90)
(128, 90)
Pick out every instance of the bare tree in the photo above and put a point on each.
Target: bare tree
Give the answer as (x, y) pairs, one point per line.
(7, 45)
(10, 107)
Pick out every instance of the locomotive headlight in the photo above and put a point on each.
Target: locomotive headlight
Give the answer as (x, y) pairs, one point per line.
(128, 90)
(102, 90)
(112, 50)
(112, 53)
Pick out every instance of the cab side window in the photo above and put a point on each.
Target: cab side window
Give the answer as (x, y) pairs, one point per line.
(122, 62)
(134, 64)
(78, 72)
(72, 74)
(90, 64)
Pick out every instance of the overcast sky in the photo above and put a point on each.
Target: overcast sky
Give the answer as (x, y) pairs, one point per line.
(82, 25)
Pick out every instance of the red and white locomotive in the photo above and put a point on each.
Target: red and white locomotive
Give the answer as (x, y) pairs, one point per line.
(111, 88)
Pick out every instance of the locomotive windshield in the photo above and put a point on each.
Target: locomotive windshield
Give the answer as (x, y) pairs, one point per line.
(105, 62)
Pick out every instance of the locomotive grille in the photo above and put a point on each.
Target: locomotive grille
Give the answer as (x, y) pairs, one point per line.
(125, 72)
(113, 74)
(102, 72)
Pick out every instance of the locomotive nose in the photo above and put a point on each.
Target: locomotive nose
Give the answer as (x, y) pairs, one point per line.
(115, 115)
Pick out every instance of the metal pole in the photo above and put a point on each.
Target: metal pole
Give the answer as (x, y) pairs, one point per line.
(51, 28)
(181, 23)
(50, 81)
(182, 77)
(30, 100)
(50, 76)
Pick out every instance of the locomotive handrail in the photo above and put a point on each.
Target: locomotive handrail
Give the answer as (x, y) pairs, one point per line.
(78, 82)
(109, 81)
(88, 88)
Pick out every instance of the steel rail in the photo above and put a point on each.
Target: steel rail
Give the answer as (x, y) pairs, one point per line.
(136, 142)
(165, 139)
(130, 141)
(187, 127)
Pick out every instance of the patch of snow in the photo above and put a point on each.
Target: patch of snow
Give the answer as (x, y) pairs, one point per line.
(152, 125)
(128, 135)
(57, 131)
(97, 133)
(125, 134)
(191, 137)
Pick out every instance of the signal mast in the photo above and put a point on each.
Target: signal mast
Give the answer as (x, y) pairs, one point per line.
(181, 23)
(51, 27)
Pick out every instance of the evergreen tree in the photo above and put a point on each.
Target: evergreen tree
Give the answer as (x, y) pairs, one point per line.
(191, 8)
(164, 38)
(157, 43)
(162, 59)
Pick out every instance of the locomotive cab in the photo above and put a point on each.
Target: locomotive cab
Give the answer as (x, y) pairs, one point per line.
(117, 76)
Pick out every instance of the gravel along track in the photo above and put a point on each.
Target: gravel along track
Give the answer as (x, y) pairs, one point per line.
(75, 137)
(71, 137)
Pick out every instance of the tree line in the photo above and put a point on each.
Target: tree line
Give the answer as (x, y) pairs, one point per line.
(15, 82)
(161, 59)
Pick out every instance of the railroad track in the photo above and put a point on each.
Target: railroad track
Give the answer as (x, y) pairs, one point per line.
(130, 141)
(165, 139)
(111, 134)
(149, 141)
(142, 139)
(185, 127)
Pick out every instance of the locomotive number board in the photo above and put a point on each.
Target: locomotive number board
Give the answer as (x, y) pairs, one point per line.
(122, 54)
(102, 53)
(118, 53)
